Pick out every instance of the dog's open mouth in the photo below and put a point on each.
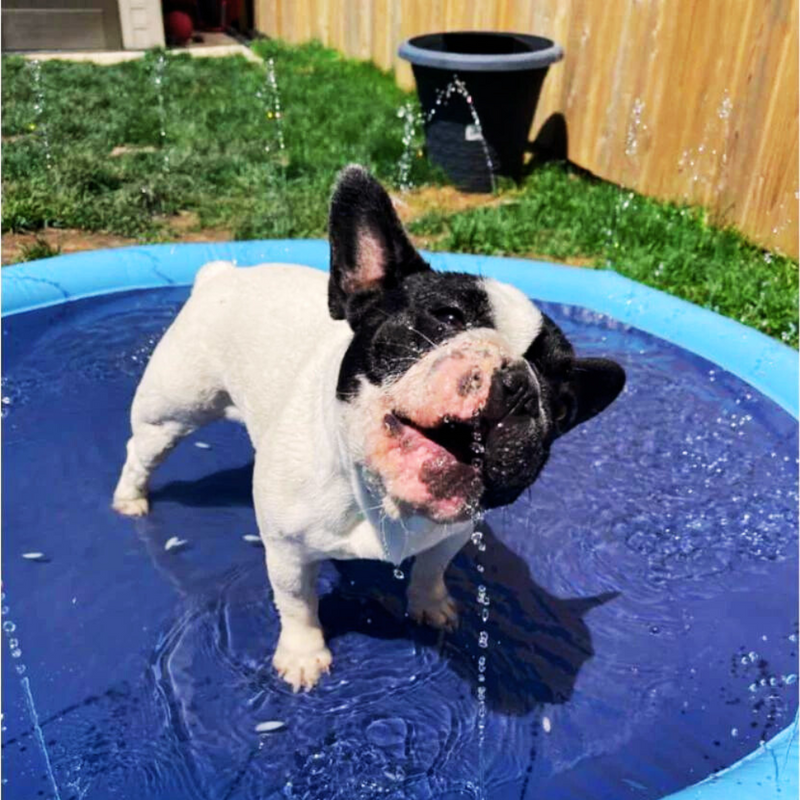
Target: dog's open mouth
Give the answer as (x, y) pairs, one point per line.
(435, 469)
(463, 440)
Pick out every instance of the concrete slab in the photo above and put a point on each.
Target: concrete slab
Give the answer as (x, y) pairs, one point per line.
(215, 45)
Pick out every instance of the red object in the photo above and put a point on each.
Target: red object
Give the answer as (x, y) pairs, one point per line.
(179, 26)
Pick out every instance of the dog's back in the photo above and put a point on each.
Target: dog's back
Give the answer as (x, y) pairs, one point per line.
(235, 350)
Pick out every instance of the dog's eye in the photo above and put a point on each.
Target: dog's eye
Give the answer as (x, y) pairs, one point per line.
(564, 409)
(449, 316)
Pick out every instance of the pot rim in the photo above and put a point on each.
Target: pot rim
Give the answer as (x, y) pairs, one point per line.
(411, 51)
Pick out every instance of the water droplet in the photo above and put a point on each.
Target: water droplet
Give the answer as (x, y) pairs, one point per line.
(174, 543)
(270, 726)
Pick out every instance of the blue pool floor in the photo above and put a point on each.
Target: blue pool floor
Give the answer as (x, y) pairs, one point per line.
(643, 595)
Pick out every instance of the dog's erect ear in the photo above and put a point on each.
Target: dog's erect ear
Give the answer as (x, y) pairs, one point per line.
(593, 384)
(369, 248)
(581, 387)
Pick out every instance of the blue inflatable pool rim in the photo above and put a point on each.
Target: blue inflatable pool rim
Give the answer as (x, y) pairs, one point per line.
(770, 367)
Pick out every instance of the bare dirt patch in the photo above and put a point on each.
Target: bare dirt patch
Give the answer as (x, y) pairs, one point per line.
(183, 227)
(570, 261)
(131, 149)
(415, 203)
(60, 240)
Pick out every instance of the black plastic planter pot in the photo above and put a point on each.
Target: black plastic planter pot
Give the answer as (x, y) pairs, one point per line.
(503, 75)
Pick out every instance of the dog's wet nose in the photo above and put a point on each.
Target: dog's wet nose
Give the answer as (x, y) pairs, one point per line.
(515, 380)
(513, 390)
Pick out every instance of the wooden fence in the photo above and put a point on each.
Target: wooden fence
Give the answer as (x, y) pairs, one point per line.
(691, 100)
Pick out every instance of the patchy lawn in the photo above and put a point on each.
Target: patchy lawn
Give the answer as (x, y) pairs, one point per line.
(563, 215)
(220, 156)
(219, 172)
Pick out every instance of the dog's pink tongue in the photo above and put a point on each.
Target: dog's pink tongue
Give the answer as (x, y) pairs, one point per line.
(420, 472)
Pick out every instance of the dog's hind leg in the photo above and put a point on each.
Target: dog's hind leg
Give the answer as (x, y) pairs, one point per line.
(147, 448)
(179, 393)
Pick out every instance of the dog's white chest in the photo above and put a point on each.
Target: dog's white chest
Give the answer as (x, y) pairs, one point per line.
(396, 540)
(380, 536)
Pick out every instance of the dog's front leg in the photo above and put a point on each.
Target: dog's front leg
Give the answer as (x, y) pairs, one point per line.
(428, 599)
(301, 655)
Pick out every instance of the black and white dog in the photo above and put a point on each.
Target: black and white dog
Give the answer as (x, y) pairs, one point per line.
(383, 419)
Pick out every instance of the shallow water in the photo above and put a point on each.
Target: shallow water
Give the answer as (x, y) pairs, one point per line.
(642, 632)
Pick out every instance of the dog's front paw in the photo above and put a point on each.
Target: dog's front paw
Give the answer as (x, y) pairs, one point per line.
(301, 669)
(131, 506)
(437, 611)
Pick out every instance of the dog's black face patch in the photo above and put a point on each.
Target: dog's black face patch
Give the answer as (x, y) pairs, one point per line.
(504, 398)
(578, 388)
(394, 329)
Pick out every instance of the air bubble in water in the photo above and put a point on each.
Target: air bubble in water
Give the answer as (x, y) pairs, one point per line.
(411, 120)
(39, 108)
(272, 99)
(158, 81)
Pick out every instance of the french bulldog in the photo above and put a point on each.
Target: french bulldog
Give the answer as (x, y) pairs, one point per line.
(388, 405)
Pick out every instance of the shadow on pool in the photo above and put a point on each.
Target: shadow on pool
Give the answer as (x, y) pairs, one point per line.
(538, 642)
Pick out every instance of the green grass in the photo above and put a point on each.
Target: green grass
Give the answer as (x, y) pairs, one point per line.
(335, 111)
(220, 159)
(561, 214)
(40, 248)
